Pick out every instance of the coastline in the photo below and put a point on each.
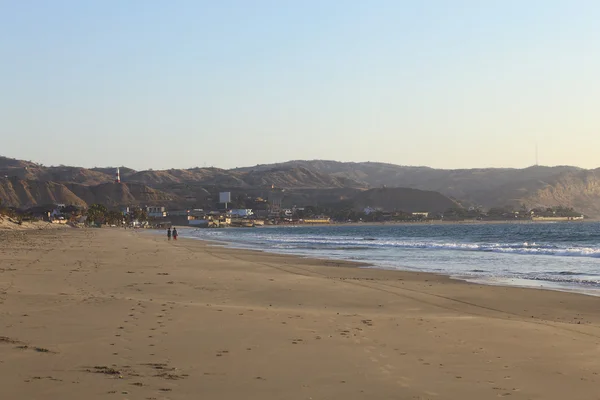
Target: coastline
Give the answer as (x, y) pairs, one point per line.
(108, 313)
(436, 222)
(539, 284)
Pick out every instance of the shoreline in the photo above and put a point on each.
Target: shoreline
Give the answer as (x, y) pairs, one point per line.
(436, 222)
(588, 290)
(400, 223)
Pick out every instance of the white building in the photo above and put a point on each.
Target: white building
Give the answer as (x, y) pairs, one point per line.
(55, 214)
(421, 214)
(369, 210)
(241, 212)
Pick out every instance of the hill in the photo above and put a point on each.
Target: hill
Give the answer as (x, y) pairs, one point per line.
(112, 194)
(7, 163)
(486, 187)
(403, 199)
(110, 171)
(16, 192)
(30, 171)
(207, 176)
(296, 177)
(577, 189)
(315, 180)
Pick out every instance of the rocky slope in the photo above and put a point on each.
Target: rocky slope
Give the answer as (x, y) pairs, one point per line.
(16, 192)
(578, 189)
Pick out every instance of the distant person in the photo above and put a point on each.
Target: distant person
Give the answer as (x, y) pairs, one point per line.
(169, 234)
(175, 234)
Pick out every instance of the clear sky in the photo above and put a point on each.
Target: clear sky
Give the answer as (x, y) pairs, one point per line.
(160, 84)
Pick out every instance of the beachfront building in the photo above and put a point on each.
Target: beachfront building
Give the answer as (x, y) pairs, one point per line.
(558, 219)
(276, 200)
(183, 217)
(196, 212)
(317, 220)
(55, 214)
(421, 214)
(178, 213)
(371, 210)
(212, 219)
(241, 212)
(156, 212)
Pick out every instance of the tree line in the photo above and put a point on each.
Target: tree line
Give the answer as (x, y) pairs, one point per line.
(99, 214)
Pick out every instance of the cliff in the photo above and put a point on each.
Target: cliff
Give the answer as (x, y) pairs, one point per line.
(16, 192)
(579, 190)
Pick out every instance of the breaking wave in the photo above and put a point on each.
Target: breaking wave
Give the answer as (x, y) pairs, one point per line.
(524, 248)
(561, 254)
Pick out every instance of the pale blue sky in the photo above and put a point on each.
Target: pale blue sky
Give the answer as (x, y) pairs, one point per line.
(234, 83)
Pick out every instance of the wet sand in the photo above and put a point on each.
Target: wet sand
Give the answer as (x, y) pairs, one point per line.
(113, 314)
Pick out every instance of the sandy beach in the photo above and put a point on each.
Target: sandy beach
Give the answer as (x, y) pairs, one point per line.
(114, 314)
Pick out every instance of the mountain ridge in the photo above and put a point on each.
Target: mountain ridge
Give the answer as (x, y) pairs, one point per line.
(485, 187)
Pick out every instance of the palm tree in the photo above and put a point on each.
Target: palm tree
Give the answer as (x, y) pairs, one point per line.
(96, 214)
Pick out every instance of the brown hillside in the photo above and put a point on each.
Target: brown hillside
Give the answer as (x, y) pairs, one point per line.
(486, 187)
(73, 174)
(30, 171)
(110, 171)
(114, 194)
(6, 163)
(16, 192)
(579, 190)
(208, 176)
(298, 177)
(21, 193)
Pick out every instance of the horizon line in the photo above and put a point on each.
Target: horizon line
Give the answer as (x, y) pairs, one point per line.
(298, 160)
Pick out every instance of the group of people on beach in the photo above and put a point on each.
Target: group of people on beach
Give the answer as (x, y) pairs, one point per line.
(172, 233)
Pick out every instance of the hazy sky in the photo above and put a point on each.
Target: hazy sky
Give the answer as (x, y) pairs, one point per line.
(229, 83)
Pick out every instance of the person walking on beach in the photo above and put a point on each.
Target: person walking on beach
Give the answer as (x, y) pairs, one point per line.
(175, 234)
(169, 234)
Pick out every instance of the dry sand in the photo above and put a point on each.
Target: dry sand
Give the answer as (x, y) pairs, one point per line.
(111, 314)
(7, 223)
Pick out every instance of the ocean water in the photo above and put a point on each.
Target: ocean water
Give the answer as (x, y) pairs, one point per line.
(561, 256)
